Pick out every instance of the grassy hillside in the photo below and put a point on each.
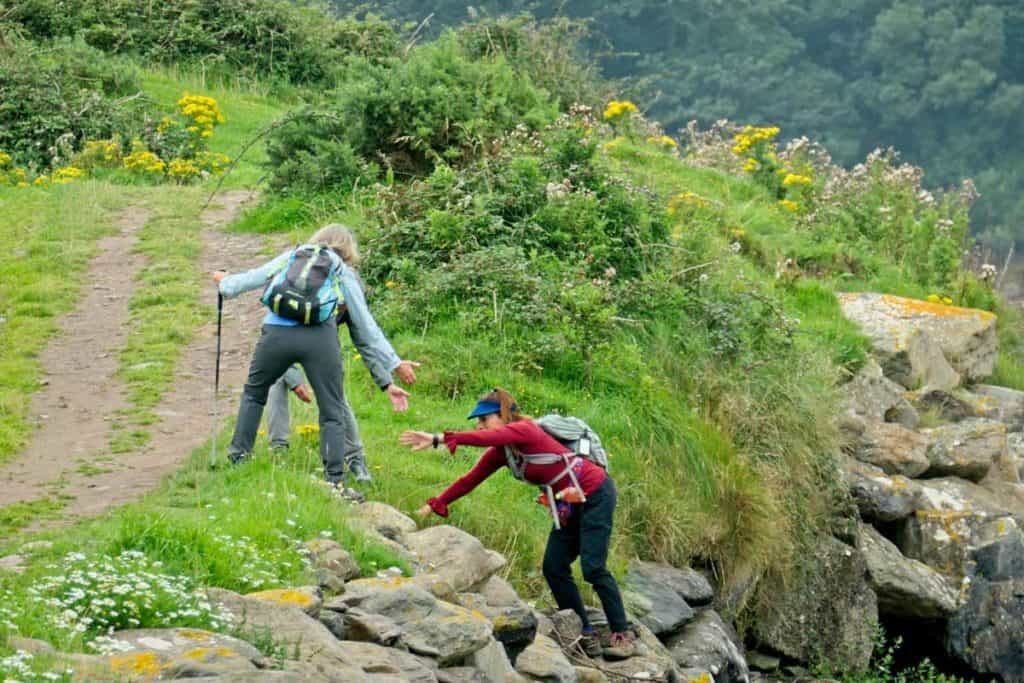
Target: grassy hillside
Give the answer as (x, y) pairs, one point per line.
(683, 303)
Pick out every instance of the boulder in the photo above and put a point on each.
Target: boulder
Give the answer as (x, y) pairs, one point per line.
(965, 449)
(362, 626)
(330, 556)
(459, 557)
(497, 592)
(952, 518)
(381, 519)
(1000, 403)
(655, 603)
(709, 644)
(514, 625)
(566, 627)
(179, 653)
(826, 610)
(653, 661)
(375, 659)
(905, 587)
(461, 674)
(948, 406)
(921, 343)
(880, 497)
(893, 448)
(688, 583)
(492, 661)
(544, 661)
(987, 632)
(585, 674)
(306, 598)
(873, 396)
(429, 626)
(292, 628)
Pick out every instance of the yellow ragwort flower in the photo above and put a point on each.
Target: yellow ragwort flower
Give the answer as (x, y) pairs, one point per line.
(789, 205)
(617, 109)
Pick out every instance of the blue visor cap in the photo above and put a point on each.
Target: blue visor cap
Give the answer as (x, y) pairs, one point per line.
(485, 408)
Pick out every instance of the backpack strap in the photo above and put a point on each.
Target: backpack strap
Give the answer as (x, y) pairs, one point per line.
(517, 463)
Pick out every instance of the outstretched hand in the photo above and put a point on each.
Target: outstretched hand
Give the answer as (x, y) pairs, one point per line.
(399, 398)
(406, 371)
(219, 275)
(424, 511)
(417, 440)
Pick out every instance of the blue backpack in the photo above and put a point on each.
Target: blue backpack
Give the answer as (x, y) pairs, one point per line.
(308, 288)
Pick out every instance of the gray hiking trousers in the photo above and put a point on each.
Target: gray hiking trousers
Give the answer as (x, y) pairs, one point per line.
(279, 425)
(317, 350)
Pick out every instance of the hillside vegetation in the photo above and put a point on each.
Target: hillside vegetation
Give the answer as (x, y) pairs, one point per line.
(520, 230)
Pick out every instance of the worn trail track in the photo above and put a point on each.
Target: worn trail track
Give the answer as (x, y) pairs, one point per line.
(83, 393)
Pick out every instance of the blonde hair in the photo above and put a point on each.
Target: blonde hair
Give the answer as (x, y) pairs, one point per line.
(340, 239)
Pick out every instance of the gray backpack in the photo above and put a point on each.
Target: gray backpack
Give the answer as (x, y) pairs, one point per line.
(574, 434)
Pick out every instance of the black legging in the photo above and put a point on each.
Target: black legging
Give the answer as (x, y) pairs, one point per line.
(586, 535)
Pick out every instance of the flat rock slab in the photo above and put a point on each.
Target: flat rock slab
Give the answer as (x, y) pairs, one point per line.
(457, 556)
(965, 449)
(708, 643)
(880, 497)
(905, 587)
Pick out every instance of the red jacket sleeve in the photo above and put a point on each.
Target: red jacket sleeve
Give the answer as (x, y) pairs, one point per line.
(515, 432)
(491, 461)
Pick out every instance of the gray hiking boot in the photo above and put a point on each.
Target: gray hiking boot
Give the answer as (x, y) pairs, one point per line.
(359, 471)
(590, 644)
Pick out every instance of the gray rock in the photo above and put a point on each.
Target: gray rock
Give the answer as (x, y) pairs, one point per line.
(566, 626)
(335, 623)
(922, 343)
(654, 602)
(381, 518)
(497, 592)
(292, 628)
(514, 625)
(461, 674)
(492, 661)
(306, 598)
(1000, 403)
(585, 674)
(429, 626)
(708, 643)
(301, 676)
(872, 395)
(375, 659)
(879, 496)
(653, 661)
(759, 661)
(905, 587)
(889, 446)
(544, 661)
(826, 610)
(12, 563)
(987, 632)
(184, 653)
(336, 560)
(954, 516)
(965, 449)
(33, 646)
(372, 628)
(950, 406)
(689, 584)
(459, 557)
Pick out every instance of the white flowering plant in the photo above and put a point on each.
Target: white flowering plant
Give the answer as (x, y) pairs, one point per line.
(87, 597)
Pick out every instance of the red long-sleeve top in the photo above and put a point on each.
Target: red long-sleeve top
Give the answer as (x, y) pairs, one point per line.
(526, 437)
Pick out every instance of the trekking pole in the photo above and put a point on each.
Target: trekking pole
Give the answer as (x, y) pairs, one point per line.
(216, 379)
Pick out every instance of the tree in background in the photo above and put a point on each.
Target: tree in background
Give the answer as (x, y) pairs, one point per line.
(942, 80)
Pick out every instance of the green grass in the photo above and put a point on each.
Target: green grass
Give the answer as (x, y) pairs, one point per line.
(51, 234)
(15, 517)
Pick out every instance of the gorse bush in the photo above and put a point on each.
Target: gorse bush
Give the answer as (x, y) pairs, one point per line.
(439, 105)
(261, 39)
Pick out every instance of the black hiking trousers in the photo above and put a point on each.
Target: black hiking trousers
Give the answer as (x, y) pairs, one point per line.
(317, 349)
(586, 535)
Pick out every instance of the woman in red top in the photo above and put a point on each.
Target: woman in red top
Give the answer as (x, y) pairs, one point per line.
(585, 527)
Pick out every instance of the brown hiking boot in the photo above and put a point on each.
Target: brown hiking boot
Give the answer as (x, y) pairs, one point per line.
(590, 644)
(620, 646)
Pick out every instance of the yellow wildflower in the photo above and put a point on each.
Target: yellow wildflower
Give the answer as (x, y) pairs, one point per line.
(934, 298)
(40, 180)
(789, 205)
(67, 174)
(182, 169)
(142, 160)
(617, 109)
(664, 141)
(4, 158)
(751, 165)
(946, 300)
(390, 284)
(795, 179)
(22, 183)
(356, 357)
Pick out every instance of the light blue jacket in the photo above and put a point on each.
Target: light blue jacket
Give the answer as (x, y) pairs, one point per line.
(378, 355)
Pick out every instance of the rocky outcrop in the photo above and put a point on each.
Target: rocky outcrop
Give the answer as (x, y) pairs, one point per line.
(874, 397)
(880, 497)
(895, 449)
(826, 610)
(464, 559)
(919, 343)
(657, 604)
(708, 644)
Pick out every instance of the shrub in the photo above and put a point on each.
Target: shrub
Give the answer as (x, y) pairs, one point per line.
(438, 106)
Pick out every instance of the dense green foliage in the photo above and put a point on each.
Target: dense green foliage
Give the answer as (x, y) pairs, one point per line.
(51, 101)
(941, 81)
(253, 39)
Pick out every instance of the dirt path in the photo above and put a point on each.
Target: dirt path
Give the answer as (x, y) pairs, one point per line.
(83, 393)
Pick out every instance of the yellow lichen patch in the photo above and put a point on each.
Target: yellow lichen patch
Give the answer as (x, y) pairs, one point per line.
(705, 677)
(192, 634)
(936, 309)
(141, 664)
(503, 622)
(284, 596)
(206, 653)
(899, 482)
